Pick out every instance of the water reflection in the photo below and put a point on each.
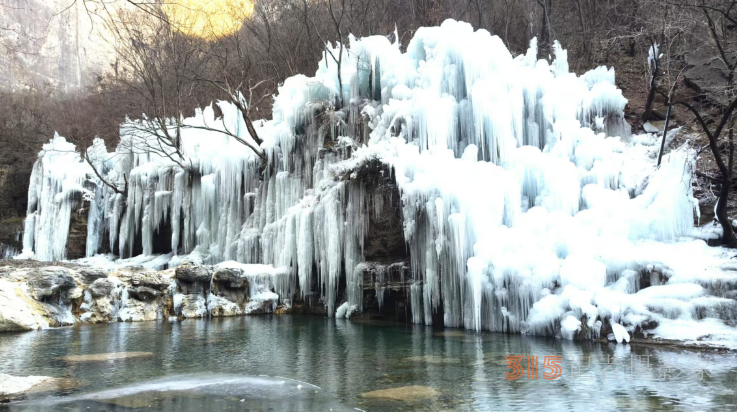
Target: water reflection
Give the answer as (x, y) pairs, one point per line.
(442, 370)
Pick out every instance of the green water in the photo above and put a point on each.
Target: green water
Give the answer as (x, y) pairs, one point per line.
(217, 365)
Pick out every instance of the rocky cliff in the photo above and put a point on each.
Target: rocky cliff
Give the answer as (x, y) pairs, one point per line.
(37, 297)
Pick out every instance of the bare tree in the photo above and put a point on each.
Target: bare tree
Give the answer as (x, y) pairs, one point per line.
(546, 30)
(725, 168)
(716, 108)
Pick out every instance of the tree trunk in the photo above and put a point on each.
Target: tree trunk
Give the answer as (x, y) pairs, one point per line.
(545, 46)
(728, 237)
(651, 95)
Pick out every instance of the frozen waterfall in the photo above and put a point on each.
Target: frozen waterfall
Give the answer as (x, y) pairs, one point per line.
(527, 205)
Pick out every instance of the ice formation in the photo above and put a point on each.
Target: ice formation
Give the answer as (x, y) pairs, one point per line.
(57, 177)
(527, 205)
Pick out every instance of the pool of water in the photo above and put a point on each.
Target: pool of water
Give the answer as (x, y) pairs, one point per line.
(304, 363)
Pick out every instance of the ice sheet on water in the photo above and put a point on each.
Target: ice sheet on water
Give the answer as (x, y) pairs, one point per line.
(255, 391)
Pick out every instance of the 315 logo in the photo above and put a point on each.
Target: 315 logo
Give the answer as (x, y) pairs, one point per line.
(551, 363)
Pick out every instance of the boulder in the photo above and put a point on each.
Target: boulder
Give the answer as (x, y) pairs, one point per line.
(283, 310)
(98, 310)
(230, 284)
(153, 280)
(706, 71)
(143, 293)
(75, 293)
(50, 282)
(16, 314)
(101, 288)
(190, 273)
(193, 279)
(231, 278)
(137, 311)
(90, 275)
(641, 330)
(193, 306)
(654, 126)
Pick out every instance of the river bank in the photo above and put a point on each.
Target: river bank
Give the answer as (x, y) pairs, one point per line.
(36, 296)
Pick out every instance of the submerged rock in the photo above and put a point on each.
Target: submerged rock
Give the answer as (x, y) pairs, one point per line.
(451, 334)
(432, 359)
(404, 393)
(99, 357)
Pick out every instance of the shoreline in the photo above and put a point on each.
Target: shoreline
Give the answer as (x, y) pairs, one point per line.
(48, 295)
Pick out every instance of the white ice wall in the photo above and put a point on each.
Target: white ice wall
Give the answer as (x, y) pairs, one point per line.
(525, 201)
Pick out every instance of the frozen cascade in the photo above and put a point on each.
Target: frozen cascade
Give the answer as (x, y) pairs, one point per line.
(527, 205)
(57, 176)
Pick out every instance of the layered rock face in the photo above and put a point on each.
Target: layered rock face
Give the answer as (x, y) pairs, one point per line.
(53, 296)
(58, 296)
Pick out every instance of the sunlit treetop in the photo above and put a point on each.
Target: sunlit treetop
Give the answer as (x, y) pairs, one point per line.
(208, 18)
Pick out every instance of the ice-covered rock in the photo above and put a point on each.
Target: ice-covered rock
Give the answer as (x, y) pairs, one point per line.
(620, 333)
(17, 387)
(218, 306)
(231, 278)
(569, 327)
(261, 302)
(345, 311)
